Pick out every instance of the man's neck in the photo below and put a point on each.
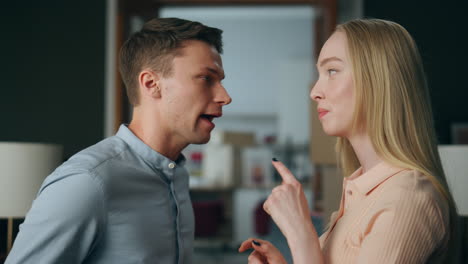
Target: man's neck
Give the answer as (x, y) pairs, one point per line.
(156, 138)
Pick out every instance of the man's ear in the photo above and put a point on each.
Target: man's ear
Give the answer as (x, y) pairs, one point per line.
(149, 81)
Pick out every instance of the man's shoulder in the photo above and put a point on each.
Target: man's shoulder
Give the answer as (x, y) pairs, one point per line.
(91, 158)
(89, 161)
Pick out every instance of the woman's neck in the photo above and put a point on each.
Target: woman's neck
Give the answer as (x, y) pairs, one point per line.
(365, 151)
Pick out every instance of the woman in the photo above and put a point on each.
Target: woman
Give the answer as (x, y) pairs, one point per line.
(396, 207)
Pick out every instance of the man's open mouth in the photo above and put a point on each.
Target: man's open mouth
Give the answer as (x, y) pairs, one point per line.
(208, 117)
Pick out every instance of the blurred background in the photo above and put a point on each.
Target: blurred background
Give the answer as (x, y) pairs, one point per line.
(60, 84)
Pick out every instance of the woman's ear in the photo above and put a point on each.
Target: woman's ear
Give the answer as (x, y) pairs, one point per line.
(149, 83)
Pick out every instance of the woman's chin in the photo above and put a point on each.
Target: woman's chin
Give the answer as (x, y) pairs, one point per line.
(332, 132)
(328, 131)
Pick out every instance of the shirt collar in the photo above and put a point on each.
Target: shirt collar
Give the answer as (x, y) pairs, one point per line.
(366, 182)
(153, 158)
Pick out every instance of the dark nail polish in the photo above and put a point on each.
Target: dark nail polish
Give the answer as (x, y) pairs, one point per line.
(256, 243)
(274, 159)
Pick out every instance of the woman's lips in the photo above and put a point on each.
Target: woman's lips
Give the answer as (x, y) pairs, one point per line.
(322, 112)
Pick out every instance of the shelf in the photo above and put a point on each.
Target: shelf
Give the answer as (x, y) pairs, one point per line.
(212, 188)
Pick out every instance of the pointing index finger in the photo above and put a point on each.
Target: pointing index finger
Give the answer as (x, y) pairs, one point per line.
(285, 173)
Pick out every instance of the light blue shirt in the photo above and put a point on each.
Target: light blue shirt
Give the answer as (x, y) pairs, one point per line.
(118, 201)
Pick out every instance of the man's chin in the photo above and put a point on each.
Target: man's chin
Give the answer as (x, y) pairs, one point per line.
(202, 140)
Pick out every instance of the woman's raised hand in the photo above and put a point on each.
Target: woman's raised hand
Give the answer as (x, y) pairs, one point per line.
(288, 207)
(287, 204)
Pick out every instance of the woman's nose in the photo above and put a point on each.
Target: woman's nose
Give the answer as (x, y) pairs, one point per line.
(316, 93)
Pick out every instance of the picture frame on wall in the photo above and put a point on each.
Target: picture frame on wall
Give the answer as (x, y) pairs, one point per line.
(257, 167)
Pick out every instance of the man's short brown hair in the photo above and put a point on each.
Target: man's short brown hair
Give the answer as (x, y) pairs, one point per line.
(156, 45)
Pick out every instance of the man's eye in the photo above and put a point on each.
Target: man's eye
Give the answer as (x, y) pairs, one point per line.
(206, 78)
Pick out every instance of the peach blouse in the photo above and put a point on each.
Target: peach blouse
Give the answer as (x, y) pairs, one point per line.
(387, 215)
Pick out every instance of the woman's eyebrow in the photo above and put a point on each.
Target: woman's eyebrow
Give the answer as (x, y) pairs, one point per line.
(329, 59)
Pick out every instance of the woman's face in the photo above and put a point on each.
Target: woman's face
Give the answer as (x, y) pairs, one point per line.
(334, 90)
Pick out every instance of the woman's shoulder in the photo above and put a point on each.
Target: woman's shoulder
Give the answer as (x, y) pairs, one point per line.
(411, 181)
(414, 207)
(411, 188)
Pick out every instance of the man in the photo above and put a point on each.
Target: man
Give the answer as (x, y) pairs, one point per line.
(126, 199)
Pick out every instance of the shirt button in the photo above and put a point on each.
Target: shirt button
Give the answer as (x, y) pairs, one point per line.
(171, 165)
(349, 192)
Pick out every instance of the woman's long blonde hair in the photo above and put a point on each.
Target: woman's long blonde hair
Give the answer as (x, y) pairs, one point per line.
(392, 103)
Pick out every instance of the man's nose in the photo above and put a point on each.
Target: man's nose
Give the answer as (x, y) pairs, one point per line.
(223, 97)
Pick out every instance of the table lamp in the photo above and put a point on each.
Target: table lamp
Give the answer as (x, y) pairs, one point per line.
(455, 163)
(23, 168)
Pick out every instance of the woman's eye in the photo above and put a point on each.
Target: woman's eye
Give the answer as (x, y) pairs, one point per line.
(331, 72)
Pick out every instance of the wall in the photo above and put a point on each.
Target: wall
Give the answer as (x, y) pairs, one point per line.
(438, 28)
(52, 72)
(268, 62)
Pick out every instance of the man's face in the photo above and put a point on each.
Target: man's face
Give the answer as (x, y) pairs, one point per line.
(193, 95)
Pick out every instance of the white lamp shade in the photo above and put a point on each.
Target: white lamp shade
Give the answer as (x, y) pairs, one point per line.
(455, 163)
(23, 168)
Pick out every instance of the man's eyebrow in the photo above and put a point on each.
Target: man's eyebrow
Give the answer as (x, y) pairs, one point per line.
(330, 59)
(215, 71)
